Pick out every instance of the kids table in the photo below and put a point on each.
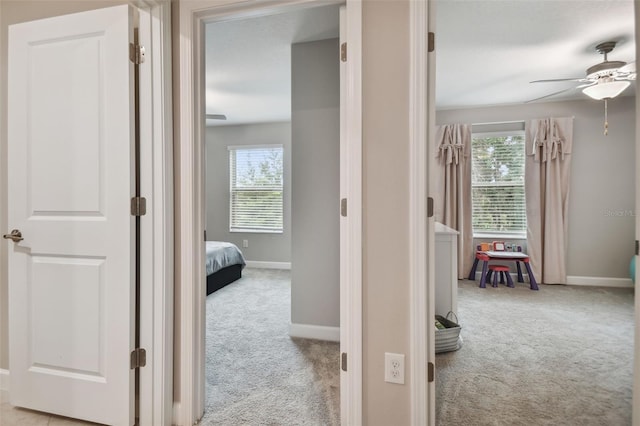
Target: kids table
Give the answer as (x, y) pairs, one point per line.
(487, 256)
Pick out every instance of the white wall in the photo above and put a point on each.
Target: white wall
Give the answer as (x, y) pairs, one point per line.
(602, 194)
(263, 247)
(315, 123)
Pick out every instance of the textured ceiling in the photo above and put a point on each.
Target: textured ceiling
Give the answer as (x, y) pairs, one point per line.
(248, 63)
(487, 52)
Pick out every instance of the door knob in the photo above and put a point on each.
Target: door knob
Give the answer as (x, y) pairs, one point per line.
(15, 236)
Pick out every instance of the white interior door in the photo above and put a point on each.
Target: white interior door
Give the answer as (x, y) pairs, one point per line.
(71, 279)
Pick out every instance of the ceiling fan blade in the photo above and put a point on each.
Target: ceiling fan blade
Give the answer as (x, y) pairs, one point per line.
(549, 95)
(626, 77)
(629, 68)
(215, 116)
(586, 85)
(558, 79)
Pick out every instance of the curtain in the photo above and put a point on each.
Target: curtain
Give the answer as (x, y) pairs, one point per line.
(452, 194)
(547, 171)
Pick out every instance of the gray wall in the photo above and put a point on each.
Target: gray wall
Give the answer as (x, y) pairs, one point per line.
(263, 247)
(315, 123)
(602, 194)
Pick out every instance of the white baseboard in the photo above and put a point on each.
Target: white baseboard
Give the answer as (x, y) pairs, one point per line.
(4, 379)
(176, 413)
(318, 332)
(600, 281)
(268, 265)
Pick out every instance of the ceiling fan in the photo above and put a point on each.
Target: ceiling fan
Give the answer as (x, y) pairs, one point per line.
(603, 81)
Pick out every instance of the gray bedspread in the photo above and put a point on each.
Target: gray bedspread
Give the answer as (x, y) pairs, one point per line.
(221, 254)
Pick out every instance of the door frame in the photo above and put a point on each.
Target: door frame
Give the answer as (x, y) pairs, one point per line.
(421, 225)
(351, 323)
(636, 369)
(157, 237)
(190, 336)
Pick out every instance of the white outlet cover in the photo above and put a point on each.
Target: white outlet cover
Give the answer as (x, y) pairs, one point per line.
(394, 368)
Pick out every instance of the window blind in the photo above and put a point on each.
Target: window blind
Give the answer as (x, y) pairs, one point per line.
(256, 188)
(497, 183)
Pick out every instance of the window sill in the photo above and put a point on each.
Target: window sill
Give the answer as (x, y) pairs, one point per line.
(254, 231)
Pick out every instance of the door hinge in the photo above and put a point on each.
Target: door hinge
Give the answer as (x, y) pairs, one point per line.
(430, 372)
(343, 207)
(429, 207)
(637, 248)
(138, 206)
(431, 42)
(138, 358)
(136, 53)
(343, 52)
(344, 361)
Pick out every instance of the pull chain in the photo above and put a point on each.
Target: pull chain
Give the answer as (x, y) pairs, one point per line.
(606, 119)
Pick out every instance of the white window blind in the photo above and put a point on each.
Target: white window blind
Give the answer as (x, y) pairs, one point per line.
(256, 188)
(497, 183)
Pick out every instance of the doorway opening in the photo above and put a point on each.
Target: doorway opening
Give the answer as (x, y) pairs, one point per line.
(272, 181)
(573, 304)
(190, 351)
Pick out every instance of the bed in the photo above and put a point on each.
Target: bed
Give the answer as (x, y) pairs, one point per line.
(224, 264)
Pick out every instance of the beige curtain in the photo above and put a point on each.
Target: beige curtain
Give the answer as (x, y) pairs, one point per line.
(547, 173)
(452, 195)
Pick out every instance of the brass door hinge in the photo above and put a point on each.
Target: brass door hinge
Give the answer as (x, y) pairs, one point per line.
(344, 361)
(343, 207)
(429, 207)
(138, 206)
(431, 42)
(138, 358)
(430, 372)
(343, 52)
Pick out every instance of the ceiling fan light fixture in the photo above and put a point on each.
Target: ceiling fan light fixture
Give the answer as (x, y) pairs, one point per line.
(606, 90)
(604, 69)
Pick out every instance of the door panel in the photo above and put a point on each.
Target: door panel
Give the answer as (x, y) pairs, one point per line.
(71, 280)
(77, 278)
(69, 111)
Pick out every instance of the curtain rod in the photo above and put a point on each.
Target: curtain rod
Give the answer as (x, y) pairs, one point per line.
(498, 122)
(504, 122)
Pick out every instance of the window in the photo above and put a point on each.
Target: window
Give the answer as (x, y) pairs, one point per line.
(497, 183)
(256, 188)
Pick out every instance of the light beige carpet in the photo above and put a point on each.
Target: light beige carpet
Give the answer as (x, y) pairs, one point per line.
(255, 373)
(559, 356)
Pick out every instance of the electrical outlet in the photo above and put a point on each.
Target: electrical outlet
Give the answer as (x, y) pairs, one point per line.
(394, 368)
(245, 243)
